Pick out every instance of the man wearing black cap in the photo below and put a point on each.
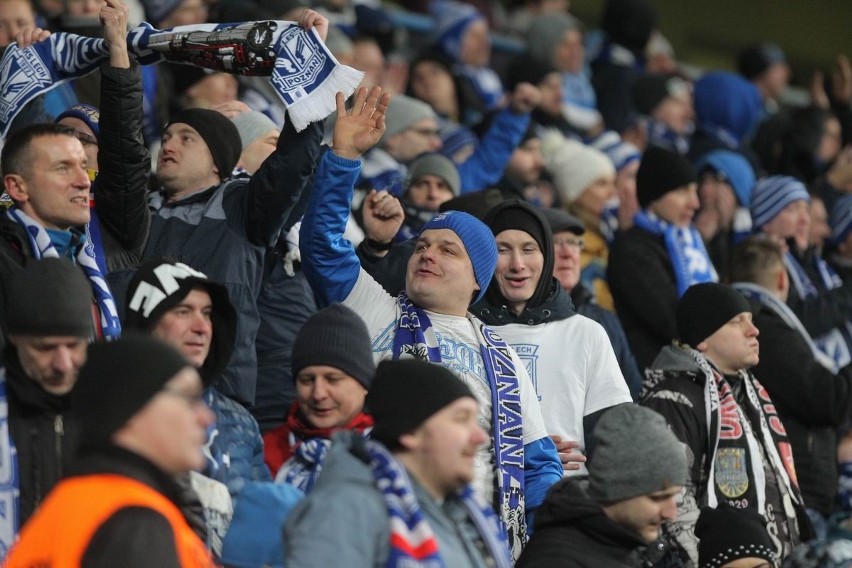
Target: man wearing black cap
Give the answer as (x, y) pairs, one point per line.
(50, 324)
(765, 65)
(655, 261)
(403, 498)
(568, 356)
(737, 448)
(193, 314)
(222, 227)
(143, 421)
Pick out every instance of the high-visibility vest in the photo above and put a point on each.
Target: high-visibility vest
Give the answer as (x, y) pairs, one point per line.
(58, 535)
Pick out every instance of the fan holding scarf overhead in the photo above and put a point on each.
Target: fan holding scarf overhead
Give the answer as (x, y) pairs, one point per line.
(302, 71)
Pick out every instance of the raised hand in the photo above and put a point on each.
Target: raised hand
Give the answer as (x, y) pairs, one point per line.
(383, 216)
(571, 460)
(524, 98)
(28, 36)
(231, 109)
(310, 19)
(113, 17)
(360, 128)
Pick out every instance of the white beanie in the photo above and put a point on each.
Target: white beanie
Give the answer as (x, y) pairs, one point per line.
(574, 165)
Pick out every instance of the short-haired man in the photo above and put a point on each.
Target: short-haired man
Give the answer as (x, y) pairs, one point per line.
(568, 356)
(50, 324)
(812, 395)
(404, 497)
(736, 446)
(222, 227)
(432, 180)
(333, 368)
(45, 173)
(614, 516)
(451, 267)
(182, 307)
(143, 422)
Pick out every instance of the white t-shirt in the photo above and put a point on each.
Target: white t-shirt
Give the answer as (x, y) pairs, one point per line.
(573, 370)
(460, 353)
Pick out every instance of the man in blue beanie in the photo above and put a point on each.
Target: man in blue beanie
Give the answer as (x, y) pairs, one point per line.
(454, 259)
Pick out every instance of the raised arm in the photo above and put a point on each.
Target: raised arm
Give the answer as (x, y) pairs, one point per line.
(328, 260)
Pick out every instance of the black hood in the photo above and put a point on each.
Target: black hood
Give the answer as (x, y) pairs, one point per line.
(517, 207)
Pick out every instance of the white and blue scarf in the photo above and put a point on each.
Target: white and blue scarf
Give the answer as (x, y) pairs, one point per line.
(412, 541)
(303, 72)
(10, 493)
(692, 264)
(302, 470)
(415, 337)
(837, 343)
(42, 247)
(762, 295)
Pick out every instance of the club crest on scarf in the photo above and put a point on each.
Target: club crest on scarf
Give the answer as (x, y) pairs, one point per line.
(303, 72)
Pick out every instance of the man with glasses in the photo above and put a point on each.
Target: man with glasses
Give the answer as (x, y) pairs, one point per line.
(143, 424)
(568, 356)
(568, 245)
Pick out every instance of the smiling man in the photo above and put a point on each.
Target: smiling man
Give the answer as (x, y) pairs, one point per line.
(332, 367)
(614, 516)
(403, 498)
(736, 445)
(569, 356)
(452, 263)
(44, 172)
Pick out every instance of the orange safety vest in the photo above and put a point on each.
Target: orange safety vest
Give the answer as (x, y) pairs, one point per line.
(58, 535)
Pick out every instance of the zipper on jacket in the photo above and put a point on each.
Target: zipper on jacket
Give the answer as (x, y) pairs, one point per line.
(59, 431)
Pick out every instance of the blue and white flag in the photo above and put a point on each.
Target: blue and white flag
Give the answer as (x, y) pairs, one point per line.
(303, 72)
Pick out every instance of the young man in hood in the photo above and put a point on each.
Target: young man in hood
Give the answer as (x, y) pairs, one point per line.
(568, 356)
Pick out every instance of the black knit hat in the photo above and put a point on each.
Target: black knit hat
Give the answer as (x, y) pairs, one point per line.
(337, 337)
(629, 23)
(406, 393)
(218, 132)
(726, 534)
(159, 285)
(652, 89)
(753, 60)
(118, 379)
(49, 297)
(706, 307)
(660, 172)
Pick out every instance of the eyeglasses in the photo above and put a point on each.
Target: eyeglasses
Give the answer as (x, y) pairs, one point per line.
(428, 132)
(86, 139)
(579, 244)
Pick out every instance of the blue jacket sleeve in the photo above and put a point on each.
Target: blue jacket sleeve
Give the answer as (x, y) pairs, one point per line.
(328, 260)
(485, 166)
(542, 469)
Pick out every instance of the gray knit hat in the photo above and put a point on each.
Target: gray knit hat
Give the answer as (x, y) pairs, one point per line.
(635, 454)
(252, 125)
(436, 165)
(404, 111)
(337, 337)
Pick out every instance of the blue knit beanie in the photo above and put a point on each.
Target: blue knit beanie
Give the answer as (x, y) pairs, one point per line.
(772, 194)
(736, 169)
(451, 22)
(620, 152)
(478, 242)
(840, 219)
(726, 100)
(87, 113)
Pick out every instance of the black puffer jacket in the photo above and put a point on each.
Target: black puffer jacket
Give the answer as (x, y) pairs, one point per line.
(121, 187)
(571, 530)
(45, 437)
